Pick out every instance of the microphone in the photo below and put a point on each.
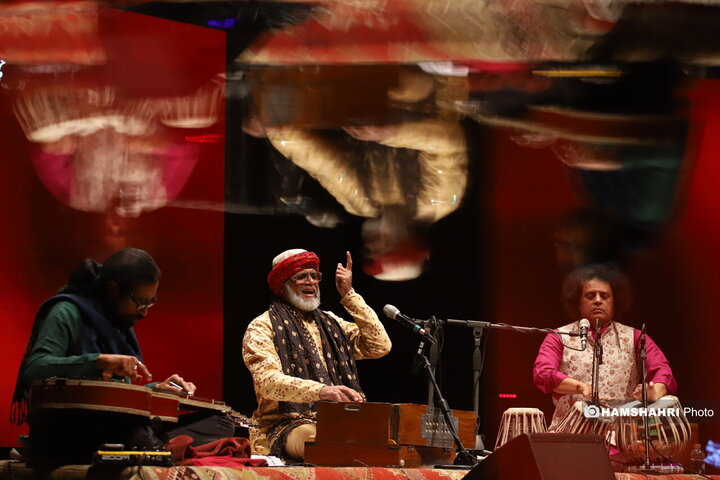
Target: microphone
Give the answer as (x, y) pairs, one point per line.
(584, 327)
(391, 311)
(642, 339)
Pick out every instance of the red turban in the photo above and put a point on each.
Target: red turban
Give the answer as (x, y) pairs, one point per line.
(289, 267)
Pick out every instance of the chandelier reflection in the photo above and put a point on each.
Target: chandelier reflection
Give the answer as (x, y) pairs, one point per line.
(96, 152)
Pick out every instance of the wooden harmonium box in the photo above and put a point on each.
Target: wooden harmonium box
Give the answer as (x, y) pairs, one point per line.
(386, 434)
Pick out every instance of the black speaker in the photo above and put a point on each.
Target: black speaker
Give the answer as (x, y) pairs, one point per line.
(547, 456)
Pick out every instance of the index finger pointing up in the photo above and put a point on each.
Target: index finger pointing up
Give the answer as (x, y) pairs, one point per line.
(349, 261)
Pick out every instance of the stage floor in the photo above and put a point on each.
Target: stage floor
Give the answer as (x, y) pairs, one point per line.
(11, 470)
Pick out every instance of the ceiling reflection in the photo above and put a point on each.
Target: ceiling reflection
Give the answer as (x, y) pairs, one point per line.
(375, 102)
(97, 152)
(390, 154)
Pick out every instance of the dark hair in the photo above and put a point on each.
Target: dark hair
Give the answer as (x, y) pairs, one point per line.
(575, 280)
(130, 268)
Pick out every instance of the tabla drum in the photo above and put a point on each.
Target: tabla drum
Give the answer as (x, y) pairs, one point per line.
(668, 429)
(575, 421)
(516, 421)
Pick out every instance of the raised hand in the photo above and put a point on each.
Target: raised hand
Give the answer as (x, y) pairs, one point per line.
(343, 276)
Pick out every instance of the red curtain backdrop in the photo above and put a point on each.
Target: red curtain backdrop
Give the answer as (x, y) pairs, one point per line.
(43, 239)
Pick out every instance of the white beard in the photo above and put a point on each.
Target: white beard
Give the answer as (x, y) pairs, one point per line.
(297, 301)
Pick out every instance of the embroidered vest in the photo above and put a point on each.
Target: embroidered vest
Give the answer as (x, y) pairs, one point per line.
(619, 373)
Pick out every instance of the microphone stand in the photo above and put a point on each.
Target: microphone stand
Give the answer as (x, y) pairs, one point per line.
(597, 360)
(464, 457)
(477, 363)
(435, 334)
(478, 329)
(505, 326)
(428, 347)
(647, 466)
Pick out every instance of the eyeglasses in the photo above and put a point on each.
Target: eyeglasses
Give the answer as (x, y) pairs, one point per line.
(142, 306)
(301, 277)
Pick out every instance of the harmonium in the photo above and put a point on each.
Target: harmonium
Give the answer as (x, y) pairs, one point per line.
(386, 434)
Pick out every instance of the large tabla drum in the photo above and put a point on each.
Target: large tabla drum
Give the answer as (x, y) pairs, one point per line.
(576, 421)
(668, 429)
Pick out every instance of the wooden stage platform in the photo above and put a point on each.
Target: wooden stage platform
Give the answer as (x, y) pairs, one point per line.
(10, 470)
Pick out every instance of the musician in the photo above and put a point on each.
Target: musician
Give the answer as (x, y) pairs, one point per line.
(298, 354)
(86, 331)
(601, 294)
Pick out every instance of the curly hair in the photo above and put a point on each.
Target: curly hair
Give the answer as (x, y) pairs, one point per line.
(609, 273)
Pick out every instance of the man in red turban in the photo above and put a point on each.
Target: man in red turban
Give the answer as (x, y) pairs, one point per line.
(299, 354)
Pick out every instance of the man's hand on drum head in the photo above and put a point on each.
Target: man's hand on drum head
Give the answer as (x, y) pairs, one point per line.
(655, 391)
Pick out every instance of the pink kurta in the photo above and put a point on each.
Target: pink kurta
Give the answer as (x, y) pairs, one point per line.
(619, 374)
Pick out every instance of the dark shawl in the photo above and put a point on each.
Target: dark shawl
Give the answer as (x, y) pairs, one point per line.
(99, 336)
(300, 357)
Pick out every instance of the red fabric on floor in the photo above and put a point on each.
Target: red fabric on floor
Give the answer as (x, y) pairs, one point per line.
(226, 452)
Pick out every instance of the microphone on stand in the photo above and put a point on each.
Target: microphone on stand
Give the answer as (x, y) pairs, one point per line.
(597, 341)
(584, 327)
(418, 362)
(642, 336)
(392, 312)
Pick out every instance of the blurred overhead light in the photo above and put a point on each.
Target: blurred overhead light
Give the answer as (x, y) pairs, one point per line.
(224, 23)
